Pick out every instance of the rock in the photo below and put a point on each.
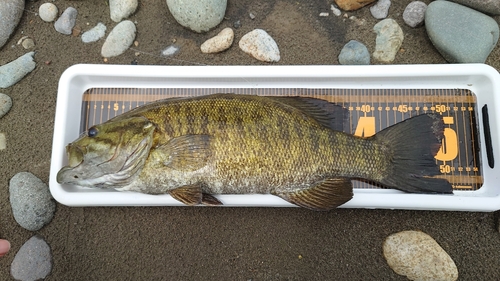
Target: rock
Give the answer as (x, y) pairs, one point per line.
(460, 34)
(66, 21)
(15, 70)
(237, 24)
(28, 43)
(335, 11)
(198, 15)
(11, 12)
(5, 104)
(354, 53)
(122, 9)
(351, 5)
(381, 9)
(31, 202)
(94, 34)
(491, 7)
(170, 51)
(33, 261)
(417, 256)
(119, 39)
(219, 43)
(3, 141)
(260, 45)
(48, 12)
(414, 13)
(389, 39)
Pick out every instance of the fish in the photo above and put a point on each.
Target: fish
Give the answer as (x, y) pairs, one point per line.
(196, 147)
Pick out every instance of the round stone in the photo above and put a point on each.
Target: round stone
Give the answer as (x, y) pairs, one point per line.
(48, 12)
(5, 104)
(119, 39)
(33, 261)
(354, 53)
(260, 45)
(389, 39)
(66, 21)
(414, 13)
(381, 9)
(198, 15)
(219, 43)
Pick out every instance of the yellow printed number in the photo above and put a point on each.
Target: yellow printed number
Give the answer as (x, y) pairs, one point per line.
(449, 147)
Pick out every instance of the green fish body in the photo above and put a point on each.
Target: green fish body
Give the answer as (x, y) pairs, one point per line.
(194, 147)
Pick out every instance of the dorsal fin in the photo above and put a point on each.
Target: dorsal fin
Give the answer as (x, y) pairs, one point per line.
(328, 114)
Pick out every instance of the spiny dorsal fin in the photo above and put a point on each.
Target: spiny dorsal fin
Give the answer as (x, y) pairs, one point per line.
(328, 114)
(186, 153)
(324, 196)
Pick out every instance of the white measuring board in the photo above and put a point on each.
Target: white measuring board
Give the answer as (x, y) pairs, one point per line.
(375, 97)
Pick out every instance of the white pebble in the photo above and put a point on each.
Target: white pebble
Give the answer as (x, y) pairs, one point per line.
(260, 45)
(122, 9)
(335, 11)
(5, 104)
(170, 51)
(48, 12)
(417, 256)
(324, 14)
(219, 43)
(381, 9)
(94, 34)
(3, 141)
(119, 39)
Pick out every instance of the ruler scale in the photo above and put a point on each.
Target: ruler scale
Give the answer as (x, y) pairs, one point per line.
(370, 110)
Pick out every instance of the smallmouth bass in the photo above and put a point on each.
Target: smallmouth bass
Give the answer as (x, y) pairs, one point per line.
(192, 148)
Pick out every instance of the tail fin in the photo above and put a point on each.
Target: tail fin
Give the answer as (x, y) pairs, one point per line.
(412, 145)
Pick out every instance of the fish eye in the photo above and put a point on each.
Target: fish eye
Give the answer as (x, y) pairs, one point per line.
(92, 132)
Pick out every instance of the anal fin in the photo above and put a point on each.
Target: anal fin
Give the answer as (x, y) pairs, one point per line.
(323, 196)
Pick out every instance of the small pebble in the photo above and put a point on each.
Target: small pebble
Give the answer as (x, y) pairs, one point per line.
(260, 45)
(354, 53)
(417, 256)
(33, 261)
(459, 33)
(3, 141)
(219, 43)
(389, 39)
(351, 5)
(122, 9)
(414, 13)
(237, 24)
(76, 31)
(66, 21)
(119, 39)
(381, 9)
(251, 15)
(48, 12)
(28, 43)
(170, 51)
(94, 34)
(31, 202)
(14, 71)
(11, 12)
(335, 11)
(5, 104)
(199, 15)
(324, 14)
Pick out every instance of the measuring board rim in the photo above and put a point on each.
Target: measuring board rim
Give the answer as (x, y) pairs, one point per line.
(72, 86)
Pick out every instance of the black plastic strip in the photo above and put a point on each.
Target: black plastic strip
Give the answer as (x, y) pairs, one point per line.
(487, 137)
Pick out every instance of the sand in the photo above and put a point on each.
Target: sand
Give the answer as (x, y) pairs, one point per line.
(187, 243)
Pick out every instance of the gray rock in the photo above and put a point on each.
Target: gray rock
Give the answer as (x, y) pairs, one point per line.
(31, 202)
(28, 43)
(119, 39)
(94, 34)
(11, 12)
(66, 21)
(381, 9)
(15, 70)
(198, 15)
(260, 45)
(122, 9)
(414, 13)
(48, 12)
(33, 261)
(5, 104)
(354, 53)
(389, 39)
(486, 6)
(459, 33)
(170, 51)
(417, 256)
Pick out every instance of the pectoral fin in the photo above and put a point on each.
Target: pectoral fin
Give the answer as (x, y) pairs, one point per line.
(193, 195)
(324, 196)
(186, 153)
